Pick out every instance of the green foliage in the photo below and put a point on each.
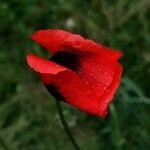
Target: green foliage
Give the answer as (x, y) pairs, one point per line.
(28, 117)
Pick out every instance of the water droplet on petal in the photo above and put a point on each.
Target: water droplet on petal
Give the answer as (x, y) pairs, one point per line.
(90, 60)
(104, 87)
(86, 82)
(100, 70)
(106, 90)
(99, 84)
(88, 91)
(91, 74)
(93, 87)
(105, 73)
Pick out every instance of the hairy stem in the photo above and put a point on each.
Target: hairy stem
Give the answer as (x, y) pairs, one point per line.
(65, 125)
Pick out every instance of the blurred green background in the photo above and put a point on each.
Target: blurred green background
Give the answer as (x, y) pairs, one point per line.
(28, 115)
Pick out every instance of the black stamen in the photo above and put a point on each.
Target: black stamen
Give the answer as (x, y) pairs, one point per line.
(55, 93)
(66, 59)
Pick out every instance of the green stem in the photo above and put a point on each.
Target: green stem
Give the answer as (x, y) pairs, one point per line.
(117, 136)
(3, 145)
(65, 125)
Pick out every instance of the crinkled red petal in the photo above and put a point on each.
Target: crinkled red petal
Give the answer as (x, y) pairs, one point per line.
(76, 92)
(108, 94)
(57, 40)
(101, 75)
(68, 83)
(92, 87)
(90, 91)
(44, 66)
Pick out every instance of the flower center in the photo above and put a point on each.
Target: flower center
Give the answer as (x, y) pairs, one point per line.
(66, 59)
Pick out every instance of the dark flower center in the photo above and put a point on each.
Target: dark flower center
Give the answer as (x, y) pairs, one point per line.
(66, 59)
(55, 93)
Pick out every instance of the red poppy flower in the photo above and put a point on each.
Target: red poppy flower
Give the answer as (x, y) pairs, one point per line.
(80, 72)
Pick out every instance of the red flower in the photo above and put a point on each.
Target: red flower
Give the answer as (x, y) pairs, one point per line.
(80, 72)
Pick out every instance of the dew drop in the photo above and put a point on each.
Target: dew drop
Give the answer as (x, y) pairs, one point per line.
(91, 74)
(99, 94)
(93, 86)
(86, 82)
(99, 84)
(105, 73)
(90, 60)
(106, 90)
(88, 91)
(100, 70)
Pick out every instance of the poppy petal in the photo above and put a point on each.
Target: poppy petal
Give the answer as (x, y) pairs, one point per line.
(76, 93)
(108, 95)
(67, 82)
(54, 40)
(44, 66)
(81, 72)
(57, 40)
(101, 75)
